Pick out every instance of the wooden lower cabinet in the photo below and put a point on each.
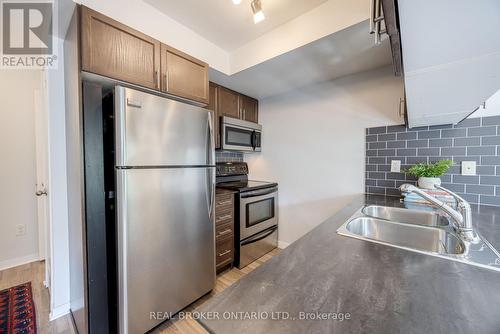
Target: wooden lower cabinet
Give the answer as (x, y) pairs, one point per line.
(224, 229)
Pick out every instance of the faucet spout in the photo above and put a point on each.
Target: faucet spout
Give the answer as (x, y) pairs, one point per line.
(463, 219)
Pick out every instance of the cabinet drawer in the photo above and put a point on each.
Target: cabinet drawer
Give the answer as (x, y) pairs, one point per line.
(224, 216)
(224, 230)
(224, 201)
(224, 251)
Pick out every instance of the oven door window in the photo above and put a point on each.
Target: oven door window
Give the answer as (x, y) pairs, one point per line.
(238, 137)
(259, 211)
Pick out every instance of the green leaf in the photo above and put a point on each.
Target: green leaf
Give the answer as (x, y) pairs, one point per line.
(436, 169)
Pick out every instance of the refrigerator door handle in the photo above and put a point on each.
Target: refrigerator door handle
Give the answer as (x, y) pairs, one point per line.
(210, 191)
(211, 162)
(210, 141)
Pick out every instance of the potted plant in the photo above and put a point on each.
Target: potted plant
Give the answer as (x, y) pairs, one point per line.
(429, 173)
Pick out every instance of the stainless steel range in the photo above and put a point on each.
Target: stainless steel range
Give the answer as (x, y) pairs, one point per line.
(256, 212)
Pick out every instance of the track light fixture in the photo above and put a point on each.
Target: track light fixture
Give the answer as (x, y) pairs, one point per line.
(258, 14)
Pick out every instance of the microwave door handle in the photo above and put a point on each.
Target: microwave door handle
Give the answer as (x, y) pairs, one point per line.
(254, 139)
(262, 235)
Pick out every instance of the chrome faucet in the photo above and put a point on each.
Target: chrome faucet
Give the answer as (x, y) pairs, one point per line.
(462, 217)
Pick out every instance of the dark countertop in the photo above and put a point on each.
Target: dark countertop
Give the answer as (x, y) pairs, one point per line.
(384, 289)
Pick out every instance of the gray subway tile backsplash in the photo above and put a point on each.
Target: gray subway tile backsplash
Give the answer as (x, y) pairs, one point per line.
(387, 137)
(467, 141)
(469, 122)
(492, 120)
(482, 131)
(429, 134)
(453, 133)
(490, 140)
(224, 156)
(476, 139)
(377, 130)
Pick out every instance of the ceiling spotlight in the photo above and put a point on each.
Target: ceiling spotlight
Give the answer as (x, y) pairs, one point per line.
(258, 14)
(236, 2)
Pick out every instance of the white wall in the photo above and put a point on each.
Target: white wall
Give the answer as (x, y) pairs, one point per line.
(314, 144)
(492, 107)
(18, 166)
(58, 209)
(150, 21)
(328, 18)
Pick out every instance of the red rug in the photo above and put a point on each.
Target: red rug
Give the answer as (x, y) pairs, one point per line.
(17, 310)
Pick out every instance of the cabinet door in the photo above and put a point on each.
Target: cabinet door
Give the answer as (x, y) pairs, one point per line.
(249, 109)
(212, 105)
(112, 49)
(228, 103)
(183, 75)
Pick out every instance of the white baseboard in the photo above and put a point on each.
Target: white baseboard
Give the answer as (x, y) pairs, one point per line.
(282, 244)
(59, 311)
(18, 261)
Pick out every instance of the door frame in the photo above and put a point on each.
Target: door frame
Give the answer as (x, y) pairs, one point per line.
(42, 174)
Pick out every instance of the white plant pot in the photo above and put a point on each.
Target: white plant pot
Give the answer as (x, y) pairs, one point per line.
(428, 182)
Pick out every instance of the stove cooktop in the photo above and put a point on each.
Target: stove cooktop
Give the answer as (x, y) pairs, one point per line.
(246, 185)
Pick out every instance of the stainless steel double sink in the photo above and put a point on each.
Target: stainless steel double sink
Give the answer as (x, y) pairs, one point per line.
(427, 232)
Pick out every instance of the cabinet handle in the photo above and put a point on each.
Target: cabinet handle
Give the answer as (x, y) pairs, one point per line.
(401, 109)
(224, 253)
(225, 232)
(156, 79)
(166, 80)
(224, 202)
(224, 217)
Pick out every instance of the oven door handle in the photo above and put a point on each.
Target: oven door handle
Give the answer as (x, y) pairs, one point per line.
(259, 236)
(257, 193)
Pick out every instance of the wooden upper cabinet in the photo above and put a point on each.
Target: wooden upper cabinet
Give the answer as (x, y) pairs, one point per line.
(228, 103)
(112, 49)
(249, 109)
(183, 75)
(212, 105)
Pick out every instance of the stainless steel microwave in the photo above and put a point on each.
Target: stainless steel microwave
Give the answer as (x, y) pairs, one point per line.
(239, 135)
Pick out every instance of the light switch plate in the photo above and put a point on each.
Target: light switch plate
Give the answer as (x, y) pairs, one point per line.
(20, 229)
(395, 166)
(468, 168)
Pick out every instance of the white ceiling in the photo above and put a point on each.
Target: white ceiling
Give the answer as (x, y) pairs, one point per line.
(346, 52)
(231, 26)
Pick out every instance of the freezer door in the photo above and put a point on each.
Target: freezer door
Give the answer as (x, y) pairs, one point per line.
(156, 131)
(166, 242)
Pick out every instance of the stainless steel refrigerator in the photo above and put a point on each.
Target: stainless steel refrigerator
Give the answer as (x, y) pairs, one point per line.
(165, 184)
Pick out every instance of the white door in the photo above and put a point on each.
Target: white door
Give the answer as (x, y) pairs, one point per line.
(41, 135)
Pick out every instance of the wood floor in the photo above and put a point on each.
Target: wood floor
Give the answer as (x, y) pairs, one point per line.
(34, 272)
(224, 280)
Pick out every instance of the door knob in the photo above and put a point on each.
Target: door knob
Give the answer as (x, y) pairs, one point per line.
(41, 192)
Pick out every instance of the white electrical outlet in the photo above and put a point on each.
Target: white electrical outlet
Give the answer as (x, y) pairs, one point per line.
(468, 168)
(20, 229)
(396, 166)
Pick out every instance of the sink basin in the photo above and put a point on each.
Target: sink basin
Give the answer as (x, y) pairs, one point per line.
(424, 232)
(408, 216)
(422, 238)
